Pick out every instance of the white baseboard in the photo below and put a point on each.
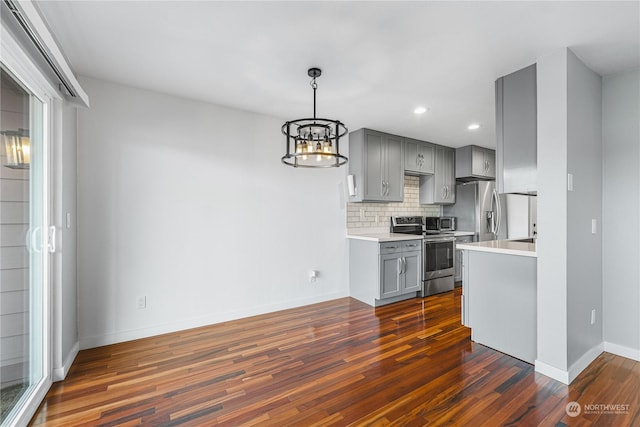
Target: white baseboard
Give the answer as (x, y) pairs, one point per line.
(620, 350)
(586, 359)
(552, 372)
(61, 372)
(566, 377)
(134, 334)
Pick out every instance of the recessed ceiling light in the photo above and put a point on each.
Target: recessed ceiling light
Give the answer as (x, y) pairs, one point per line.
(473, 126)
(420, 110)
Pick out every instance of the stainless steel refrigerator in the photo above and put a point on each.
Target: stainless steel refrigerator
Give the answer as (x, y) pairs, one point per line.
(492, 216)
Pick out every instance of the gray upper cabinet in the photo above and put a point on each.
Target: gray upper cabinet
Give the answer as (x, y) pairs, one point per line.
(419, 157)
(475, 163)
(376, 160)
(440, 188)
(516, 132)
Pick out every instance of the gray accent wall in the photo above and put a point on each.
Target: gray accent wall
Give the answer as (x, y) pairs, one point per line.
(569, 254)
(584, 203)
(552, 210)
(621, 212)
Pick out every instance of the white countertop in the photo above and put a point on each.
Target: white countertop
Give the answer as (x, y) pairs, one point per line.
(463, 233)
(383, 237)
(507, 247)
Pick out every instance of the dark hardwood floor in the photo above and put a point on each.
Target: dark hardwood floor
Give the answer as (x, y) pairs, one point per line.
(336, 363)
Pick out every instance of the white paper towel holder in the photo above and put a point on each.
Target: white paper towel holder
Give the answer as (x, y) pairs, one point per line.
(351, 183)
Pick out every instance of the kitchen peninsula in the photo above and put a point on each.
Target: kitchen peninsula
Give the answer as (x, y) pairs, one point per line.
(499, 295)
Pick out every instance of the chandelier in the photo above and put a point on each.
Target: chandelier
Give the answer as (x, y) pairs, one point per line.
(16, 148)
(315, 142)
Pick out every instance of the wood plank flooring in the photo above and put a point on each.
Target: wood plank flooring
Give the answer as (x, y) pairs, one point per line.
(337, 363)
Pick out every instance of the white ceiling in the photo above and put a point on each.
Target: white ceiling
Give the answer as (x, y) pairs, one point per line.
(380, 60)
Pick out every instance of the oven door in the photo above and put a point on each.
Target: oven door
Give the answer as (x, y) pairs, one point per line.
(439, 257)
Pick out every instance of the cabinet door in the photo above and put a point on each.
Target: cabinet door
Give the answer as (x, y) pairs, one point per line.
(412, 277)
(411, 156)
(478, 162)
(439, 190)
(445, 188)
(450, 175)
(374, 148)
(390, 266)
(394, 168)
(418, 157)
(516, 131)
(490, 158)
(428, 158)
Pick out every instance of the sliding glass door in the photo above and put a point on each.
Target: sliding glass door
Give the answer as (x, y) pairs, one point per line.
(24, 298)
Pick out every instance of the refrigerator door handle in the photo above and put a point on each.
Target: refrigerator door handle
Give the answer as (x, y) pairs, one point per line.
(498, 213)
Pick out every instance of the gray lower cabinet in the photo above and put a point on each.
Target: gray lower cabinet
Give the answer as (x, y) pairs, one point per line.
(376, 160)
(458, 256)
(474, 162)
(419, 157)
(440, 188)
(516, 132)
(382, 273)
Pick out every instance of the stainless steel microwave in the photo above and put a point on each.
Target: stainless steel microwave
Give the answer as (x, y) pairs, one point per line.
(447, 223)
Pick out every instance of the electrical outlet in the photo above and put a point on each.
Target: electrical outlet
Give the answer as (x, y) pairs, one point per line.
(141, 302)
(594, 226)
(570, 182)
(593, 316)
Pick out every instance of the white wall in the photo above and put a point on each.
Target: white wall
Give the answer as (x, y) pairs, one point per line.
(621, 213)
(63, 261)
(569, 255)
(187, 203)
(584, 203)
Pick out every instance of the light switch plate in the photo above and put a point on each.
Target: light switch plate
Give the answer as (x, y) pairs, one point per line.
(594, 226)
(570, 182)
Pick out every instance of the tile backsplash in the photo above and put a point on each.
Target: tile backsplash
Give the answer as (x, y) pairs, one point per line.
(384, 211)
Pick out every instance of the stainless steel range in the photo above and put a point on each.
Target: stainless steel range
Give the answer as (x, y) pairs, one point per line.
(438, 254)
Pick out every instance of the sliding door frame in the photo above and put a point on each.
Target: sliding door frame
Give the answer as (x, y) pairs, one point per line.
(20, 65)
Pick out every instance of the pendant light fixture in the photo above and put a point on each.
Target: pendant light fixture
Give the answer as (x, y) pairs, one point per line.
(16, 148)
(315, 142)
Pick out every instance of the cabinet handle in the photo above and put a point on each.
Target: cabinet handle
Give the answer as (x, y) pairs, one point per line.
(404, 265)
(399, 266)
(411, 246)
(391, 247)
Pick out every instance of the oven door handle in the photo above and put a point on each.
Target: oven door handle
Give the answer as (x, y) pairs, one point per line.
(447, 239)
